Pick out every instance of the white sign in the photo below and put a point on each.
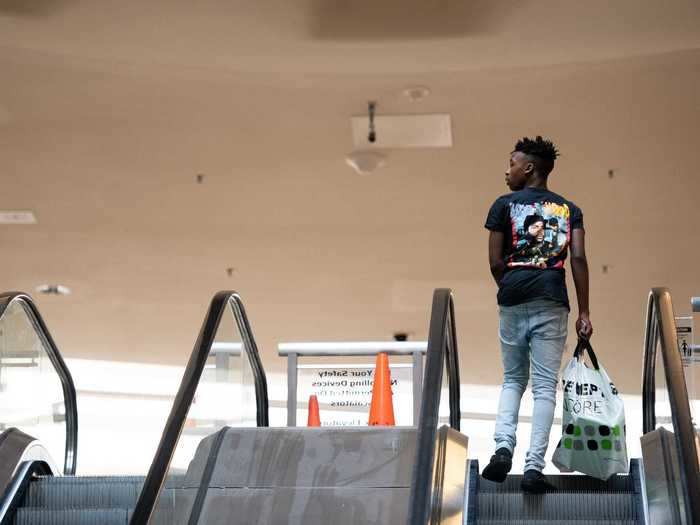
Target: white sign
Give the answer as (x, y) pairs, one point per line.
(344, 392)
(684, 334)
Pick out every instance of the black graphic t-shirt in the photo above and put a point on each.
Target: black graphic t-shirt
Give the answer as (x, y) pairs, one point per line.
(537, 226)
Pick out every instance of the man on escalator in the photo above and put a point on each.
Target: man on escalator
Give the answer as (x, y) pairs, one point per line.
(531, 231)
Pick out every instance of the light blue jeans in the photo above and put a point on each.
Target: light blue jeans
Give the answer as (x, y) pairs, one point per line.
(532, 336)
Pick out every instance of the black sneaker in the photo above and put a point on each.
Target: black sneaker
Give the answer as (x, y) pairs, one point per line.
(498, 468)
(534, 482)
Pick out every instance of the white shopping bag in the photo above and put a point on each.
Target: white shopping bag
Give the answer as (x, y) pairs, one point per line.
(593, 423)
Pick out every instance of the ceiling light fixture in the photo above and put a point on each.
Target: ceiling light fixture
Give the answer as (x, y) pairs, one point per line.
(53, 289)
(17, 217)
(416, 93)
(366, 162)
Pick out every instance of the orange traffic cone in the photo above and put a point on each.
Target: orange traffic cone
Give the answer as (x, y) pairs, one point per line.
(381, 411)
(314, 419)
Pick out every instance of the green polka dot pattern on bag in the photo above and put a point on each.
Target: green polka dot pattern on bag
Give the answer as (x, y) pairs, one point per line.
(591, 441)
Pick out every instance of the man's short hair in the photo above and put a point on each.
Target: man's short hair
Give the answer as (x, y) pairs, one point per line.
(542, 152)
(532, 219)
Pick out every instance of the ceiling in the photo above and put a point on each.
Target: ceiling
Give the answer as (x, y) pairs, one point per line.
(360, 37)
(109, 110)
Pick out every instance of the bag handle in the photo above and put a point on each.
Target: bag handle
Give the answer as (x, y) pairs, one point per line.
(585, 344)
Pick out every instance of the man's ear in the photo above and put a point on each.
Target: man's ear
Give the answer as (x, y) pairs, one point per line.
(529, 168)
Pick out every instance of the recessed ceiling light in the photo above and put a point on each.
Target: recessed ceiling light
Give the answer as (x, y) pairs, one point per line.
(416, 93)
(53, 289)
(17, 217)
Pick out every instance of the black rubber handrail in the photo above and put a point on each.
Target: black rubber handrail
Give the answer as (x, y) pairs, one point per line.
(261, 400)
(16, 492)
(185, 395)
(661, 328)
(442, 348)
(69, 396)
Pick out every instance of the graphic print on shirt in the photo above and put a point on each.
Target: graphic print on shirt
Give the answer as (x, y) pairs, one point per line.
(541, 234)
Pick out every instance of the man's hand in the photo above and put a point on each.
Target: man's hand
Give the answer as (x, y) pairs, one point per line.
(584, 328)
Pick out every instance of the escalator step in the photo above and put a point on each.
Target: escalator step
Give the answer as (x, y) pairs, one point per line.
(67, 493)
(557, 506)
(565, 483)
(169, 481)
(72, 517)
(91, 479)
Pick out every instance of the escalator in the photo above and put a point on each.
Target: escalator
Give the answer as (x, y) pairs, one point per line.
(79, 500)
(661, 488)
(343, 476)
(580, 500)
(244, 475)
(375, 475)
(37, 393)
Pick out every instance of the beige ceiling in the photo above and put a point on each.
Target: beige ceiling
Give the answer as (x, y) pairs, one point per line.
(109, 110)
(340, 37)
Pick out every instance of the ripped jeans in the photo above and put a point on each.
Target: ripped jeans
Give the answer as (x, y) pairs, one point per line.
(532, 336)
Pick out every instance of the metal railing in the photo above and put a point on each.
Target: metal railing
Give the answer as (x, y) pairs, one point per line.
(293, 351)
(442, 348)
(59, 365)
(23, 457)
(185, 395)
(661, 328)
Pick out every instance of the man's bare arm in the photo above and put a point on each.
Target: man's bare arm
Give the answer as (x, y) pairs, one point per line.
(496, 255)
(579, 270)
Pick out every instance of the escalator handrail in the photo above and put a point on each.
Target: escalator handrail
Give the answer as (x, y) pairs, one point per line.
(16, 491)
(661, 328)
(261, 399)
(442, 348)
(68, 386)
(186, 392)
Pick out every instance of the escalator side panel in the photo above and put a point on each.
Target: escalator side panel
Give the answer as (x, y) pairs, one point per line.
(308, 457)
(305, 506)
(662, 478)
(448, 498)
(471, 493)
(295, 475)
(637, 480)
